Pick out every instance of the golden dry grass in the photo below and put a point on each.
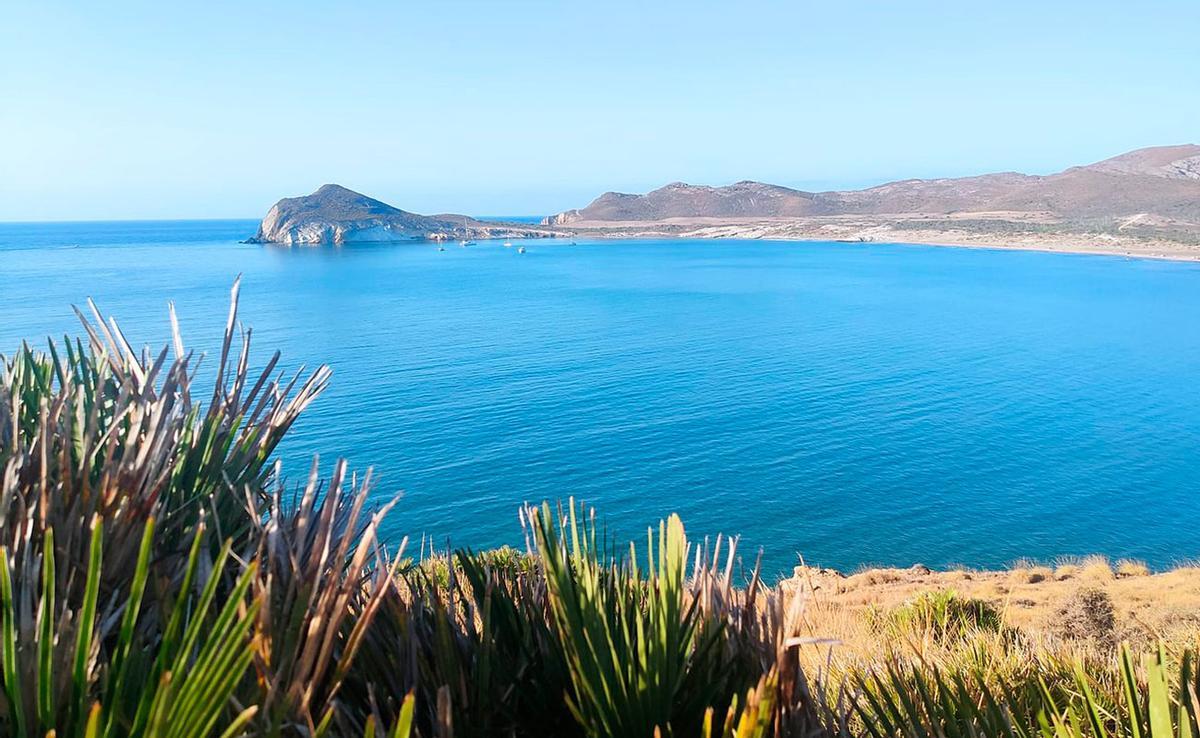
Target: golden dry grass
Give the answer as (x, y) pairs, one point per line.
(1030, 599)
(1095, 569)
(1131, 568)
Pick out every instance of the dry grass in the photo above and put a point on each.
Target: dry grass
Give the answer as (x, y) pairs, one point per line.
(1096, 569)
(1065, 571)
(1028, 572)
(1030, 599)
(1087, 615)
(1131, 568)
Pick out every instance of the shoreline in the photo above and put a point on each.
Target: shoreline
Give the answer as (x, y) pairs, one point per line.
(1066, 247)
(860, 232)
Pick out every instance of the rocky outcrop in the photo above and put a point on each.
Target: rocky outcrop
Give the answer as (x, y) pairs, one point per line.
(336, 215)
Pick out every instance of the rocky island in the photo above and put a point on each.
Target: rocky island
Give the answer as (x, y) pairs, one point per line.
(336, 215)
(1143, 203)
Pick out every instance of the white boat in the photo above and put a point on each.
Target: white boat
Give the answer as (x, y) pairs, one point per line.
(521, 250)
(508, 244)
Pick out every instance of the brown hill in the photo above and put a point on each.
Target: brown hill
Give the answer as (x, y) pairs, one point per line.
(678, 199)
(1153, 183)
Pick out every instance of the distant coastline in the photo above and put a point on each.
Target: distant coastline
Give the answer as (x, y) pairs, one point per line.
(1144, 204)
(858, 231)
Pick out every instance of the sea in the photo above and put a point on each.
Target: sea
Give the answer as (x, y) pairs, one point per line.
(844, 405)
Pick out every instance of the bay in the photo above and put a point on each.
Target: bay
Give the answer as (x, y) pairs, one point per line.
(854, 403)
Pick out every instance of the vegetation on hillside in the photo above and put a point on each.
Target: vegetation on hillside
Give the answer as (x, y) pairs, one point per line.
(157, 579)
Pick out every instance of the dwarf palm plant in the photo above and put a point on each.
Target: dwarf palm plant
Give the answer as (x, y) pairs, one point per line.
(627, 641)
(922, 701)
(1157, 705)
(643, 653)
(79, 667)
(107, 431)
(101, 446)
(322, 582)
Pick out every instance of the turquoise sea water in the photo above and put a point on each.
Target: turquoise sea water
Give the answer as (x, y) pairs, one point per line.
(853, 403)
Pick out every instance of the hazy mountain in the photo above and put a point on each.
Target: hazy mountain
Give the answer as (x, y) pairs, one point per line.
(1154, 182)
(681, 200)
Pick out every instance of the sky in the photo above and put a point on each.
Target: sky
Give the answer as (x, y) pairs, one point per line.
(117, 110)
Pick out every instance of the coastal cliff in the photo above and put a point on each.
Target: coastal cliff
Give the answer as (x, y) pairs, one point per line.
(337, 215)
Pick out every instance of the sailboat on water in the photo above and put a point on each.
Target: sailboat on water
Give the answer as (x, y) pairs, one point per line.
(466, 241)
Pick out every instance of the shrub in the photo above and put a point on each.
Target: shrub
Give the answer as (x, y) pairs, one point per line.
(76, 663)
(1096, 568)
(942, 615)
(1087, 614)
(644, 653)
(112, 474)
(1028, 572)
(1154, 701)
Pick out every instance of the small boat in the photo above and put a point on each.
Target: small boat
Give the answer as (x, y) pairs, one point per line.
(441, 248)
(468, 243)
(464, 243)
(521, 250)
(508, 244)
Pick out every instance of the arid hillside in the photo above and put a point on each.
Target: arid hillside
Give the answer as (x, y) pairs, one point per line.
(1088, 603)
(1130, 203)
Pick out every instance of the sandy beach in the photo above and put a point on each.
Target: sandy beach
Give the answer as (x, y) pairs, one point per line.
(1023, 232)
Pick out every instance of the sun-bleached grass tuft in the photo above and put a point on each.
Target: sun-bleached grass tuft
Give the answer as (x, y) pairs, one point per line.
(1027, 571)
(1064, 571)
(874, 577)
(1096, 569)
(1132, 568)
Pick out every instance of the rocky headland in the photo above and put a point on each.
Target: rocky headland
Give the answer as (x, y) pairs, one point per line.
(336, 215)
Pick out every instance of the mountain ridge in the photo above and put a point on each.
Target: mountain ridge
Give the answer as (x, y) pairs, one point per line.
(1159, 181)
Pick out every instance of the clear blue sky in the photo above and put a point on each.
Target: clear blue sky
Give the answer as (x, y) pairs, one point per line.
(216, 109)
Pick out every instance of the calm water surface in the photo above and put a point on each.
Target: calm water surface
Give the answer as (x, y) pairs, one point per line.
(853, 403)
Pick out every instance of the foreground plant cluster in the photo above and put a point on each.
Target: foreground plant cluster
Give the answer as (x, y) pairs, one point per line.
(158, 580)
